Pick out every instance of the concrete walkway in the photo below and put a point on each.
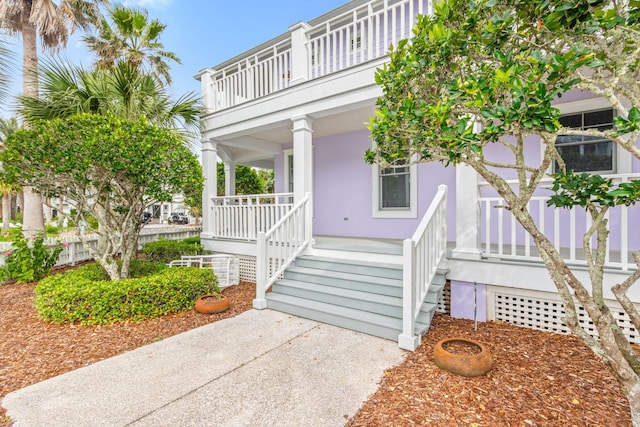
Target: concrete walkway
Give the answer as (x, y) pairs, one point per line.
(261, 368)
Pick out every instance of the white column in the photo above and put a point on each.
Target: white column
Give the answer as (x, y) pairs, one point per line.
(302, 157)
(207, 88)
(299, 53)
(230, 178)
(209, 162)
(467, 214)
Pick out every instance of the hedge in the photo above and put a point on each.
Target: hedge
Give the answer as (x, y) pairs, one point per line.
(86, 296)
(167, 250)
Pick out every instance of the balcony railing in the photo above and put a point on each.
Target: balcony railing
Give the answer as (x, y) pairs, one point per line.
(340, 41)
(243, 217)
(504, 238)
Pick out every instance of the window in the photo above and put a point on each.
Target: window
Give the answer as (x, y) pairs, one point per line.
(587, 153)
(395, 191)
(394, 187)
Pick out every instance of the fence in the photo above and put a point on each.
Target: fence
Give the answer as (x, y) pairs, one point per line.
(74, 251)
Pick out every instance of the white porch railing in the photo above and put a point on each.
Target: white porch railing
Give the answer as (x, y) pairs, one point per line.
(422, 254)
(504, 238)
(243, 217)
(254, 76)
(279, 247)
(339, 42)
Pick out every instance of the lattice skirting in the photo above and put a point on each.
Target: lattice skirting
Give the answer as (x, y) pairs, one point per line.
(544, 311)
(247, 268)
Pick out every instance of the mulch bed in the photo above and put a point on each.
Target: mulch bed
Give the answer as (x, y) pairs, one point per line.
(538, 378)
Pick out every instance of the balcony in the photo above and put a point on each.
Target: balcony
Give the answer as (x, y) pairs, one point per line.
(354, 34)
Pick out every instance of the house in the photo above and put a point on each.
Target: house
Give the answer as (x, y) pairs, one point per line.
(366, 247)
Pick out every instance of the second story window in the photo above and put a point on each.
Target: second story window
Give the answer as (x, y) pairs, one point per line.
(587, 153)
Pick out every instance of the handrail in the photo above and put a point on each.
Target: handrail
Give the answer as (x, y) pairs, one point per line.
(279, 246)
(422, 254)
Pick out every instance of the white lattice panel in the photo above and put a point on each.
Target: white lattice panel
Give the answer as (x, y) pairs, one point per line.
(247, 268)
(545, 311)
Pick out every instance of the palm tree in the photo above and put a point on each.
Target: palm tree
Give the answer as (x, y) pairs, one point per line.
(132, 39)
(121, 90)
(5, 68)
(53, 21)
(7, 127)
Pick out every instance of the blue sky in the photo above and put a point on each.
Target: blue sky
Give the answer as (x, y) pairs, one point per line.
(204, 33)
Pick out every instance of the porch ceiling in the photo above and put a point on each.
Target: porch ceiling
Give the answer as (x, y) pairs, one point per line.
(257, 147)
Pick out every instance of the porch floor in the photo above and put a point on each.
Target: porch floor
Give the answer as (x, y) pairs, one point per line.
(359, 244)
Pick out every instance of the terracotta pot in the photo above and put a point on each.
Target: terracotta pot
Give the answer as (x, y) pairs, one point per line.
(213, 303)
(465, 364)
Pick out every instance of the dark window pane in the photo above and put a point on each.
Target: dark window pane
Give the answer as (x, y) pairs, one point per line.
(571, 121)
(587, 153)
(395, 191)
(588, 157)
(595, 118)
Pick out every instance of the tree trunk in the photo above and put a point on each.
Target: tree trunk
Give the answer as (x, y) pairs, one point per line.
(6, 211)
(33, 215)
(633, 396)
(33, 219)
(129, 252)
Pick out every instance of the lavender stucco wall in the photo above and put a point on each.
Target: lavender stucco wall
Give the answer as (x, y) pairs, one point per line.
(464, 299)
(343, 190)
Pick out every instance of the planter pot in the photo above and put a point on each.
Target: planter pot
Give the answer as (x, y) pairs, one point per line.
(463, 356)
(214, 303)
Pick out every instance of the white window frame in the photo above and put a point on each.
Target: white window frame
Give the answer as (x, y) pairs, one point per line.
(622, 159)
(410, 212)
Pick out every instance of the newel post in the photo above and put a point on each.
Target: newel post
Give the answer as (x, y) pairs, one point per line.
(260, 302)
(299, 53)
(408, 340)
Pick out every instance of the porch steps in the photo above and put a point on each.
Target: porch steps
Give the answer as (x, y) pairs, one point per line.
(358, 295)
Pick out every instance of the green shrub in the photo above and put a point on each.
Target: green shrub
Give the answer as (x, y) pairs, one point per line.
(85, 296)
(192, 240)
(92, 222)
(29, 259)
(52, 229)
(137, 268)
(167, 250)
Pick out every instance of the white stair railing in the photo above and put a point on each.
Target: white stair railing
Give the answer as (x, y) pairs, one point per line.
(278, 248)
(422, 254)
